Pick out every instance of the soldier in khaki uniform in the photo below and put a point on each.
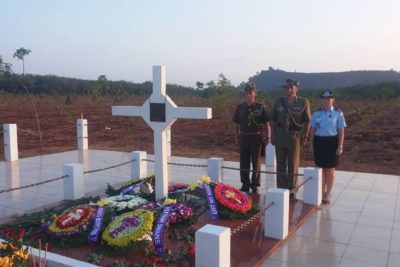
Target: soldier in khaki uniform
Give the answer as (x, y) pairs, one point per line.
(290, 120)
(250, 118)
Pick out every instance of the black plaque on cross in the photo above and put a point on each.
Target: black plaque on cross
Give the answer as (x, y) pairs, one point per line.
(157, 112)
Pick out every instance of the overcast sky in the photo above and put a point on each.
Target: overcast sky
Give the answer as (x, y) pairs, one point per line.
(197, 40)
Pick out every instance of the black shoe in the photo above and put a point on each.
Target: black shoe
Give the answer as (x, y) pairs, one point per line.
(245, 188)
(292, 196)
(254, 189)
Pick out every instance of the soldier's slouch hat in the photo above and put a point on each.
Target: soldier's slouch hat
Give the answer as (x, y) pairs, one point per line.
(249, 87)
(290, 83)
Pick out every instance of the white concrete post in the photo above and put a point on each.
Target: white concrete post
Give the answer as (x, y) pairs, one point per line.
(168, 132)
(82, 133)
(276, 218)
(83, 158)
(13, 171)
(270, 157)
(270, 162)
(138, 166)
(73, 184)
(10, 142)
(214, 169)
(213, 246)
(313, 189)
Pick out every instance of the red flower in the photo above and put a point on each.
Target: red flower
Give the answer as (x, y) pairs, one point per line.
(232, 198)
(8, 232)
(21, 233)
(73, 217)
(192, 251)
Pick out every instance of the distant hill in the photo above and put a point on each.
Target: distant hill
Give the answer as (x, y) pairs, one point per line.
(51, 84)
(272, 78)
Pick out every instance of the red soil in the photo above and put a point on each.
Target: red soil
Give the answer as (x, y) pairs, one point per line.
(372, 142)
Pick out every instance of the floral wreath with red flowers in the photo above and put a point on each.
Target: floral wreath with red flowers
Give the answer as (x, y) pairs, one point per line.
(180, 212)
(178, 188)
(73, 220)
(232, 198)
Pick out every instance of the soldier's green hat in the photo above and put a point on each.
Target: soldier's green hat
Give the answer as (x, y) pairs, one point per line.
(290, 83)
(249, 87)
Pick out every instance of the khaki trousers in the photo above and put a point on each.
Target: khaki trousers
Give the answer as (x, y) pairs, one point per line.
(287, 166)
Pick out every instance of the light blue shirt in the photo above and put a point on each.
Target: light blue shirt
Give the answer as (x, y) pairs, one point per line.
(327, 122)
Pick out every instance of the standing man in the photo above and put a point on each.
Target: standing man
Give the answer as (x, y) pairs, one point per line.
(289, 129)
(250, 118)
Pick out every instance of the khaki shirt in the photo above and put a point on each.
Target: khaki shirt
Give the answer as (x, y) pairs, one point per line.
(251, 119)
(289, 119)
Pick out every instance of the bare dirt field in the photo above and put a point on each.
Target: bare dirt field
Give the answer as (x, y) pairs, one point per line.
(372, 142)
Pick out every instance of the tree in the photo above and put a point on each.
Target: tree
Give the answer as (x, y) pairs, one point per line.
(102, 78)
(20, 54)
(5, 68)
(199, 85)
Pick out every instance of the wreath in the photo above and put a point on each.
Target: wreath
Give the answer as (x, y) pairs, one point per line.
(122, 202)
(128, 227)
(73, 220)
(232, 198)
(178, 188)
(152, 206)
(180, 212)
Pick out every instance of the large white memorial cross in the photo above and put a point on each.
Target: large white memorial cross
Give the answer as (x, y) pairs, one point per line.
(160, 112)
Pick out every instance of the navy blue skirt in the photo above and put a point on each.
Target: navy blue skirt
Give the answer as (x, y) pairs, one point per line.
(325, 151)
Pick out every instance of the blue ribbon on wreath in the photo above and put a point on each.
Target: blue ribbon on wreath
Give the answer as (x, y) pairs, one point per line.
(211, 202)
(130, 188)
(98, 224)
(158, 232)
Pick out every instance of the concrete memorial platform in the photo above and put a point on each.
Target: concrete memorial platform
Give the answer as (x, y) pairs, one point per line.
(361, 227)
(249, 245)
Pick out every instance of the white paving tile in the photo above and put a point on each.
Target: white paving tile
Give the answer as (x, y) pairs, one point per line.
(366, 256)
(394, 260)
(371, 237)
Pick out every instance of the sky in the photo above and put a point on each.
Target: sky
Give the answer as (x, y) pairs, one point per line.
(199, 39)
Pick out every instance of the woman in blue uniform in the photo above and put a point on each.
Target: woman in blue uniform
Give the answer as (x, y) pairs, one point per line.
(327, 135)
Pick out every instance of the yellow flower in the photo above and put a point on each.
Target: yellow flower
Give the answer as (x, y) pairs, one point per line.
(193, 186)
(103, 202)
(230, 194)
(22, 254)
(131, 234)
(5, 261)
(205, 179)
(169, 201)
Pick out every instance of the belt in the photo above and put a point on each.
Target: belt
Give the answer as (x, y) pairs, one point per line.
(246, 133)
(291, 128)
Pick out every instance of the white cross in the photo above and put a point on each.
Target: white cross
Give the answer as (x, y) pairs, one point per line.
(160, 112)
